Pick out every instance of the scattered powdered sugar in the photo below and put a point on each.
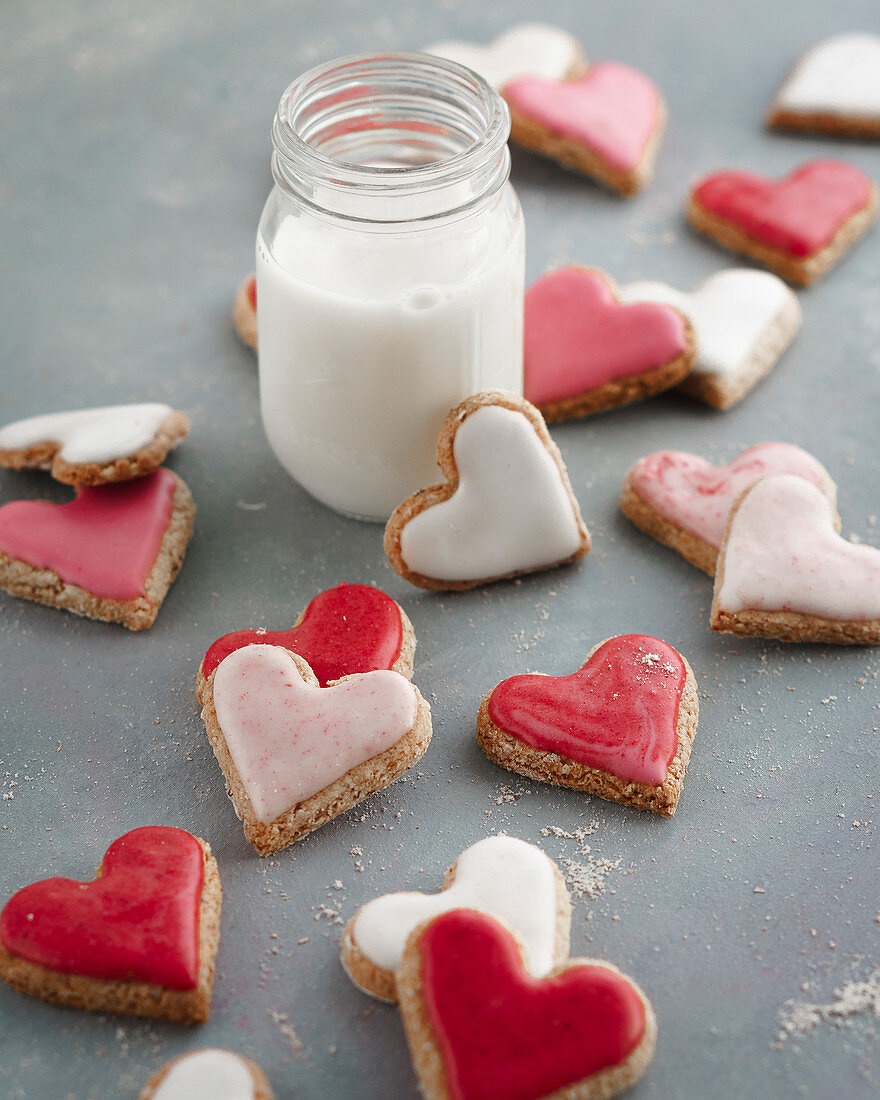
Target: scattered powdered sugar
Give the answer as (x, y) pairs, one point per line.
(797, 1018)
(586, 877)
(654, 660)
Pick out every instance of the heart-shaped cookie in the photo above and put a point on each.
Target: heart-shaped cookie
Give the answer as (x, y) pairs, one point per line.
(742, 319)
(500, 875)
(507, 506)
(94, 446)
(209, 1074)
(347, 629)
(620, 727)
(140, 939)
(833, 89)
(296, 754)
(110, 554)
(606, 124)
(535, 49)
(585, 352)
(797, 226)
(784, 572)
(244, 312)
(479, 1026)
(683, 501)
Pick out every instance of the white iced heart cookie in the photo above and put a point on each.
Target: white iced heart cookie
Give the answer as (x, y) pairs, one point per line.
(742, 319)
(210, 1073)
(784, 572)
(528, 49)
(834, 88)
(506, 508)
(91, 446)
(683, 501)
(295, 754)
(500, 875)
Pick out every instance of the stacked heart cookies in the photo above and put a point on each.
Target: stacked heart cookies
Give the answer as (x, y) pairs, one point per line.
(113, 551)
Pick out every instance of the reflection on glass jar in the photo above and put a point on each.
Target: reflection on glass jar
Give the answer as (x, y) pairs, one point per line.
(390, 269)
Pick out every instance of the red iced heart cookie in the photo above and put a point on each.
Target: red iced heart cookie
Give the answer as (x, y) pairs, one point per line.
(606, 124)
(347, 629)
(479, 1026)
(140, 939)
(585, 351)
(797, 226)
(244, 312)
(110, 554)
(620, 727)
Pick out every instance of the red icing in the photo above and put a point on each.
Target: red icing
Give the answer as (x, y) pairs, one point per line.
(251, 291)
(618, 712)
(105, 541)
(798, 214)
(613, 110)
(578, 337)
(138, 921)
(503, 1033)
(347, 629)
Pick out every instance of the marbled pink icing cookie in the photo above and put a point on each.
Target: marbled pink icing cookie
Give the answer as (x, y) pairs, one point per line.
(784, 571)
(296, 754)
(683, 501)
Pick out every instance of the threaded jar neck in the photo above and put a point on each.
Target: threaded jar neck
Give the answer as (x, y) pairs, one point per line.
(391, 138)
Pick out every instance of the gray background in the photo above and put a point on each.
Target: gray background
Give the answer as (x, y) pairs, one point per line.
(134, 170)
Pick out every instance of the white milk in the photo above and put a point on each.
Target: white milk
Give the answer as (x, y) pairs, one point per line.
(368, 337)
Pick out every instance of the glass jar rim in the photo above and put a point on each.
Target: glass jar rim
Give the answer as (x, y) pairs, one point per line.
(443, 87)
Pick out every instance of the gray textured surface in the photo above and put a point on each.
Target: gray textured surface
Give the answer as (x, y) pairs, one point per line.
(134, 170)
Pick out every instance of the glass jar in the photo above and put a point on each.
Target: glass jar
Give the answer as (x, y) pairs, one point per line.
(390, 271)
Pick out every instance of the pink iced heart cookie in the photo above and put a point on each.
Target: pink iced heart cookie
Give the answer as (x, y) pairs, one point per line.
(480, 1027)
(244, 312)
(212, 1074)
(833, 89)
(296, 754)
(606, 124)
(798, 226)
(501, 875)
(534, 49)
(620, 727)
(683, 501)
(347, 629)
(110, 554)
(784, 571)
(586, 352)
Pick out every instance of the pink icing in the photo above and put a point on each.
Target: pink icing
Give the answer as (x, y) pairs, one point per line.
(105, 541)
(783, 554)
(504, 1034)
(691, 493)
(799, 214)
(289, 739)
(578, 336)
(613, 110)
(618, 712)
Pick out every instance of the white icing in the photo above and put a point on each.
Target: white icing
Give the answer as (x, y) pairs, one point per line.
(510, 512)
(783, 554)
(840, 75)
(500, 875)
(732, 313)
(289, 739)
(89, 435)
(528, 49)
(207, 1075)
